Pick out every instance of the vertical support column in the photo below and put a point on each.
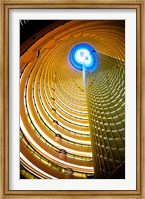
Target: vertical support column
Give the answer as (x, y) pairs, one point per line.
(84, 75)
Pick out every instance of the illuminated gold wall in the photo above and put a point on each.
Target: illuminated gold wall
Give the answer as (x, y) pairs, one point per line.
(105, 91)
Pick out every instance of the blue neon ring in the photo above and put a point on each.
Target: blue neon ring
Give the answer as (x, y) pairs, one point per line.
(93, 56)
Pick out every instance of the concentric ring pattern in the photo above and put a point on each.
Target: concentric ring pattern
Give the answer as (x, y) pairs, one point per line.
(56, 128)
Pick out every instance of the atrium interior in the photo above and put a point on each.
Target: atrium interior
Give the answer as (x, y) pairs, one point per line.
(72, 99)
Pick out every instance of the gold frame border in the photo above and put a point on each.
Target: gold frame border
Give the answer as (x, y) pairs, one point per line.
(5, 5)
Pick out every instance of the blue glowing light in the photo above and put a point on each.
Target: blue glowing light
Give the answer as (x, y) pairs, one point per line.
(84, 56)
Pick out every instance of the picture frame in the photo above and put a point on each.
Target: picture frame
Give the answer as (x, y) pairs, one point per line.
(4, 138)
